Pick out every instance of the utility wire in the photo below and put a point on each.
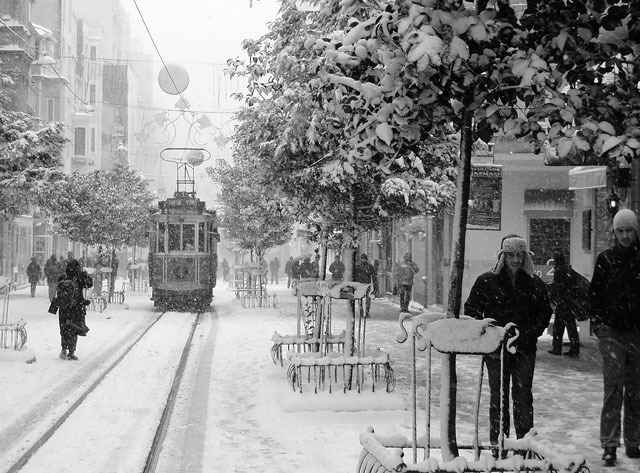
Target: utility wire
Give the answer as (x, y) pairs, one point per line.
(159, 55)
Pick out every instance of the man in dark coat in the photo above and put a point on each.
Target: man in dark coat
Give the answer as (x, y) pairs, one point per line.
(336, 269)
(72, 309)
(34, 273)
(288, 269)
(406, 272)
(366, 274)
(614, 295)
(568, 293)
(511, 292)
(52, 271)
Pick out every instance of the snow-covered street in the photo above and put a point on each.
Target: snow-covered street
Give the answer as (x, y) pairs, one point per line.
(254, 421)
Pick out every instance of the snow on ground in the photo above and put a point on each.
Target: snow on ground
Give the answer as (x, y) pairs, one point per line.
(256, 422)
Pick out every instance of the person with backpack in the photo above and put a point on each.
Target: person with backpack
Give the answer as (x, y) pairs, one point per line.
(72, 307)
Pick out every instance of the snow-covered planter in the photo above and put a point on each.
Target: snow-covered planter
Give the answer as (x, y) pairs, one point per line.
(337, 371)
(470, 337)
(299, 344)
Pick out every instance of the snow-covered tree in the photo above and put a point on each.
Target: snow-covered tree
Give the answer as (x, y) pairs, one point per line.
(250, 214)
(29, 154)
(298, 132)
(108, 208)
(593, 49)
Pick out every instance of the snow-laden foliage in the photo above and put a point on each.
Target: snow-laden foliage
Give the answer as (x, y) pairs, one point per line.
(298, 129)
(592, 48)
(251, 216)
(109, 208)
(29, 154)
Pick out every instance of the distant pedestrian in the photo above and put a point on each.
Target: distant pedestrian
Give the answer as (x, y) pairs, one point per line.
(406, 273)
(53, 270)
(225, 269)
(336, 269)
(72, 307)
(288, 269)
(307, 268)
(614, 295)
(366, 274)
(34, 273)
(568, 293)
(511, 293)
(274, 269)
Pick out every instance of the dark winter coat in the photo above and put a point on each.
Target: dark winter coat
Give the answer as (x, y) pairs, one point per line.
(569, 293)
(34, 271)
(525, 304)
(75, 272)
(406, 271)
(53, 270)
(614, 292)
(337, 270)
(365, 273)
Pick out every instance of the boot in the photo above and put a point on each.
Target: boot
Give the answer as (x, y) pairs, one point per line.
(609, 456)
(63, 354)
(555, 352)
(71, 356)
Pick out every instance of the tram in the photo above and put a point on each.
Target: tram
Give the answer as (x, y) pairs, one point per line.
(183, 239)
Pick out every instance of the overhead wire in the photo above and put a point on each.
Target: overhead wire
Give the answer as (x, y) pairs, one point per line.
(155, 46)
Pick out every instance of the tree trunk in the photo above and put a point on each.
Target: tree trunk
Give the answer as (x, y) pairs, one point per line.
(449, 377)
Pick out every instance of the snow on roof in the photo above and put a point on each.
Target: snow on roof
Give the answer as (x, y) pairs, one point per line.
(42, 31)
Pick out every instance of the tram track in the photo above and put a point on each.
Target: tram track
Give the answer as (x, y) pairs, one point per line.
(79, 400)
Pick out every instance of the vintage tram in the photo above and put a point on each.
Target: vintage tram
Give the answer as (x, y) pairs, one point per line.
(183, 238)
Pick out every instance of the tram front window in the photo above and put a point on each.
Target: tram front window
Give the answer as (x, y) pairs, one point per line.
(174, 237)
(188, 237)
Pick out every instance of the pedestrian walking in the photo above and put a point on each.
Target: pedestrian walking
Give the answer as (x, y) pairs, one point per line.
(288, 269)
(568, 293)
(225, 269)
(366, 274)
(274, 269)
(406, 273)
(53, 270)
(72, 307)
(336, 269)
(34, 273)
(511, 292)
(614, 295)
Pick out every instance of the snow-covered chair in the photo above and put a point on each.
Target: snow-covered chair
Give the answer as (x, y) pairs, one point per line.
(465, 336)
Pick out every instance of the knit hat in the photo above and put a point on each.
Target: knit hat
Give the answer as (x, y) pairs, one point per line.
(514, 244)
(625, 218)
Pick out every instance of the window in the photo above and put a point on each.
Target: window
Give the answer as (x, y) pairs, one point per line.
(201, 236)
(188, 237)
(51, 110)
(586, 230)
(93, 140)
(93, 53)
(161, 237)
(92, 94)
(80, 142)
(547, 234)
(174, 237)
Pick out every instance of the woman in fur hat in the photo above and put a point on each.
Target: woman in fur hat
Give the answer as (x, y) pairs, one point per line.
(615, 317)
(511, 292)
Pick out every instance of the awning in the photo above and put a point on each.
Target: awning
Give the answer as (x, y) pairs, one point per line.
(587, 177)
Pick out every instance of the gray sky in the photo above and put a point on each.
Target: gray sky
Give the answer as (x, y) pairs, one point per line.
(200, 30)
